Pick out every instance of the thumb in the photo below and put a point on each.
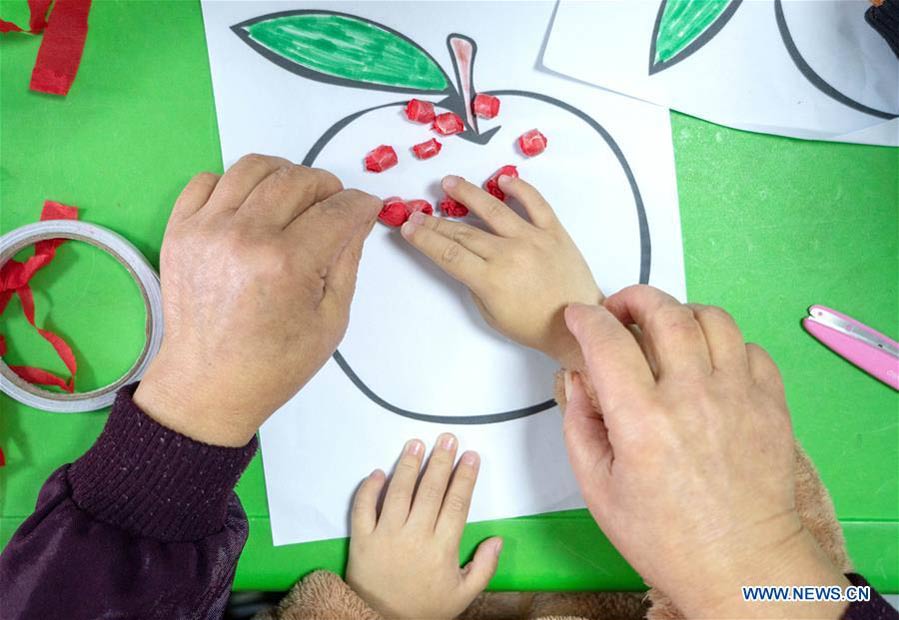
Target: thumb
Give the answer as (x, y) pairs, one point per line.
(586, 437)
(478, 573)
(341, 277)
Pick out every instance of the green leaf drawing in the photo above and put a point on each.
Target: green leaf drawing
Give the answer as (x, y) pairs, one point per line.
(343, 49)
(684, 26)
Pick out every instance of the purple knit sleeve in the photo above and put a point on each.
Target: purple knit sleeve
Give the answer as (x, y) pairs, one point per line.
(144, 525)
(874, 609)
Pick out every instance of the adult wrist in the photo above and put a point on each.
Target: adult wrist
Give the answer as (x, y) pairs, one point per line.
(153, 482)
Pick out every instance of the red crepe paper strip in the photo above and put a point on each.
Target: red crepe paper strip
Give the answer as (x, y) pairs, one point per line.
(60, 53)
(14, 277)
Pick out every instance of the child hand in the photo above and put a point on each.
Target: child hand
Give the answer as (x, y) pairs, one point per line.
(404, 562)
(522, 275)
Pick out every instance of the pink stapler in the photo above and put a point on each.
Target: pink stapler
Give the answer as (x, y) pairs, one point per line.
(868, 349)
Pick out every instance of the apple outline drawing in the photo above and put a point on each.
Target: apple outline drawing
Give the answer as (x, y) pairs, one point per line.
(715, 26)
(457, 99)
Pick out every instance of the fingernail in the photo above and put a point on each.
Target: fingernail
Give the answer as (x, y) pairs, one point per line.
(450, 181)
(469, 458)
(446, 441)
(568, 382)
(413, 447)
(417, 218)
(408, 229)
(498, 546)
(504, 178)
(376, 473)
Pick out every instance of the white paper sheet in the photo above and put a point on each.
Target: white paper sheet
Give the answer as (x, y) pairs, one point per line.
(415, 341)
(817, 70)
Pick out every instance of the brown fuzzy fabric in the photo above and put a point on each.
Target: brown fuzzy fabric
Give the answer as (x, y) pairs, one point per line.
(321, 595)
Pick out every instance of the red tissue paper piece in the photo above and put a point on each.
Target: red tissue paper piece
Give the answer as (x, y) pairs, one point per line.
(427, 150)
(394, 212)
(60, 53)
(380, 159)
(453, 208)
(420, 205)
(532, 143)
(14, 277)
(420, 111)
(485, 106)
(448, 123)
(492, 184)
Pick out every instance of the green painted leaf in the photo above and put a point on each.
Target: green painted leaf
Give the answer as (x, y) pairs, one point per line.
(684, 26)
(343, 49)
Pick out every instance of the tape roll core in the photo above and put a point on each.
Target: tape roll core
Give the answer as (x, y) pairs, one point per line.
(147, 281)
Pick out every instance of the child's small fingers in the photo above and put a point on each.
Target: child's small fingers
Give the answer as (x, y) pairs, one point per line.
(402, 484)
(451, 256)
(503, 220)
(432, 487)
(476, 575)
(365, 505)
(454, 511)
(470, 237)
(541, 214)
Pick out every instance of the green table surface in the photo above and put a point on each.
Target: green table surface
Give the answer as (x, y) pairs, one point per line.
(770, 226)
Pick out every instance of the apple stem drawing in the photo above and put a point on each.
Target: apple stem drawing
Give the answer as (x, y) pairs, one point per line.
(352, 51)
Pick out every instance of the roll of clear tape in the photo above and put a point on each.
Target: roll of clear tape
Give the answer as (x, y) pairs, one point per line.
(147, 281)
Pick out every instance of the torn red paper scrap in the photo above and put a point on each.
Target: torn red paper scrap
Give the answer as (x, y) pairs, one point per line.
(60, 52)
(420, 205)
(532, 142)
(394, 212)
(485, 106)
(380, 159)
(448, 123)
(492, 184)
(453, 208)
(427, 150)
(14, 277)
(420, 111)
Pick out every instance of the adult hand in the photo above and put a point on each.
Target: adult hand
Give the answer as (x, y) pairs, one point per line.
(258, 268)
(522, 275)
(688, 464)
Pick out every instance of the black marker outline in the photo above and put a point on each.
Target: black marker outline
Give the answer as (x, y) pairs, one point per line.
(454, 102)
(645, 258)
(704, 37)
(306, 72)
(812, 76)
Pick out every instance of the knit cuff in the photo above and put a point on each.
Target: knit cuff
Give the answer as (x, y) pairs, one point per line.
(884, 18)
(874, 609)
(154, 482)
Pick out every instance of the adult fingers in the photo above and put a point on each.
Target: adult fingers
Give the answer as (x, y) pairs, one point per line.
(541, 214)
(454, 511)
(328, 226)
(402, 485)
(364, 515)
(498, 216)
(615, 364)
(586, 436)
(451, 256)
(763, 370)
(431, 489)
(478, 573)
(194, 195)
(727, 349)
(286, 193)
(674, 333)
(469, 237)
(240, 180)
(340, 279)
